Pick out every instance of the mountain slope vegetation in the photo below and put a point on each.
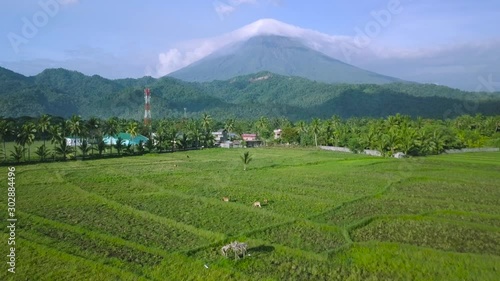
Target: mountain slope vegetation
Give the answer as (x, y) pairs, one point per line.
(63, 93)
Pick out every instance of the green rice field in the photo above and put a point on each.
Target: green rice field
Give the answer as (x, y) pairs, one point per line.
(328, 216)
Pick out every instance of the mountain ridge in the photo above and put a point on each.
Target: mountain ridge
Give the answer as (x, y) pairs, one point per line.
(63, 93)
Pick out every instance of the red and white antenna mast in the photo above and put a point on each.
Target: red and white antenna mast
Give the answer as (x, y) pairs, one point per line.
(147, 107)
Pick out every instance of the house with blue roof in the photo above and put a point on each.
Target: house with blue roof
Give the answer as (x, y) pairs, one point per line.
(126, 138)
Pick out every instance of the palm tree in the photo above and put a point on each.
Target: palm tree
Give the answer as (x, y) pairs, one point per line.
(43, 126)
(63, 149)
(150, 145)
(315, 129)
(392, 140)
(56, 134)
(132, 129)
(75, 127)
(93, 126)
(140, 147)
(101, 146)
(229, 125)
(246, 158)
(119, 145)
(111, 130)
(407, 139)
(206, 122)
(172, 136)
(262, 126)
(84, 148)
(302, 130)
(26, 136)
(42, 152)
(195, 132)
(18, 153)
(5, 130)
(161, 134)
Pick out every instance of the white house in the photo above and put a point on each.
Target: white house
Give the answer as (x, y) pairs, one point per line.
(277, 134)
(70, 141)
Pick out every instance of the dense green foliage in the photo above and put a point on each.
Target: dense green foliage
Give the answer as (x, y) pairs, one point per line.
(398, 133)
(329, 216)
(64, 93)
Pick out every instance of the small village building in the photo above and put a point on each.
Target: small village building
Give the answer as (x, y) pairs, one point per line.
(72, 141)
(227, 144)
(126, 138)
(277, 134)
(220, 136)
(249, 137)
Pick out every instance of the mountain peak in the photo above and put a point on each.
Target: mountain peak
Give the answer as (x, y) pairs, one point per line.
(284, 55)
(268, 26)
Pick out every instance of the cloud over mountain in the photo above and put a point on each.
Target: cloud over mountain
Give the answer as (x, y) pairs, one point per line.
(458, 64)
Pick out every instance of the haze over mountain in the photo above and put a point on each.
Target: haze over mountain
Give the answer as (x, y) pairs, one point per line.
(278, 54)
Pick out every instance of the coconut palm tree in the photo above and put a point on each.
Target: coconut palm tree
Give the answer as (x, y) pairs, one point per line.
(26, 136)
(302, 130)
(101, 146)
(5, 130)
(206, 122)
(18, 153)
(56, 133)
(246, 158)
(75, 126)
(43, 126)
(84, 148)
(229, 125)
(194, 132)
(119, 145)
(111, 130)
(93, 128)
(161, 134)
(42, 152)
(63, 149)
(315, 129)
(132, 128)
(262, 126)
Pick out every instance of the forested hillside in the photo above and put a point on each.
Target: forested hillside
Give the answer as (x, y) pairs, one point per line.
(63, 93)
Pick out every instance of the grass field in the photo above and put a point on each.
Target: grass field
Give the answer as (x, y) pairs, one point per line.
(330, 216)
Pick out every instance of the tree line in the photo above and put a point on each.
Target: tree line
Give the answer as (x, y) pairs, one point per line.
(395, 133)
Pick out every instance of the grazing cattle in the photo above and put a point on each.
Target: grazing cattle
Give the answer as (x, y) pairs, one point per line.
(225, 199)
(257, 204)
(265, 201)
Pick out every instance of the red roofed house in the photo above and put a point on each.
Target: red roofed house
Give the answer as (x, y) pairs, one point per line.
(251, 140)
(249, 137)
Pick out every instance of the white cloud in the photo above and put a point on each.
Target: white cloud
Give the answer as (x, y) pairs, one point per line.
(68, 2)
(177, 58)
(223, 9)
(239, 2)
(457, 64)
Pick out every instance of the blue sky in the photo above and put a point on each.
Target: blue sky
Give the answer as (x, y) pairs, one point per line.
(446, 42)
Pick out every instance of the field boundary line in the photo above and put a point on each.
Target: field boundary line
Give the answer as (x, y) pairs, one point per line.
(144, 214)
(91, 263)
(96, 234)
